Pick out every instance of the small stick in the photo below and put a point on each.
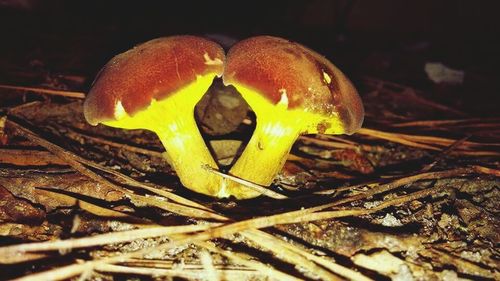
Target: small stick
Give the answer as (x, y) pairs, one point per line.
(465, 266)
(70, 94)
(425, 142)
(29, 157)
(395, 138)
(443, 154)
(327, 263)
(92, 208)
(431, 123)
(412, 93)
(99, 240)
(325, 143)
(413, 178)
(207, 262)
(127, 147)
(23, 106)
(338, 139)
(185, 273)
(260, 267)
(259, 188)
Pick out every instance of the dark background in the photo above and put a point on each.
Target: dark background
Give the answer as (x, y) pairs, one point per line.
(387, 39)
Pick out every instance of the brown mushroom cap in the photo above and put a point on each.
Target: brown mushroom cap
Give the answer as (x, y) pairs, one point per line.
(272, 66)
(152, 70)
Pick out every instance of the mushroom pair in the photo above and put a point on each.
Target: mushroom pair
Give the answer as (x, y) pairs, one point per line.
(292, 90)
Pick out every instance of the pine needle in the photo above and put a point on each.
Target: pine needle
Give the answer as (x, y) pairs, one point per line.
(256, 187)
(69, 94)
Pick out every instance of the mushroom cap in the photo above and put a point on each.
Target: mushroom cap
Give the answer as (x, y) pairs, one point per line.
(150, 71)
(273, 66)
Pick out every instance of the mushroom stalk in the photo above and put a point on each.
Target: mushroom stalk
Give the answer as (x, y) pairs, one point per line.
(186, 151)
(265, 153)
(173, 122)
(276, 131)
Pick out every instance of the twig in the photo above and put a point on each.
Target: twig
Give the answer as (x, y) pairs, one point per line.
(433, 123)
(412, 93)
(127, 147)
(443, 154)
(60, 273)
(9, 252)
(92, 208)
(440, 140)
(184, 210)
(345, 188)
(23, 106)
(326, 143)
(261, 189)
(187, 273)
(337, 139)
(425, 142)
(458, 172)
(170, 263)
(70, 94)
(266, 270)
(395, 138)
(464, 265)
(338, 269)
(29, 157)
(208, 266)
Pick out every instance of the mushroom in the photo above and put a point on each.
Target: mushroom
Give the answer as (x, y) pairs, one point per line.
(155, 86)
(292, 90)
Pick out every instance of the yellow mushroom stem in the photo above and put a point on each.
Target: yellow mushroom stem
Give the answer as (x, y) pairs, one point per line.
(172, 119)
(276, 131)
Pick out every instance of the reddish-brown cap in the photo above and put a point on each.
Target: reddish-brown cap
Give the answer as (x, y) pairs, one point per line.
(271, 66)
(152, 70)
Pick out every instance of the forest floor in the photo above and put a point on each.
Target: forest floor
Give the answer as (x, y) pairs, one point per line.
(412, 196)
